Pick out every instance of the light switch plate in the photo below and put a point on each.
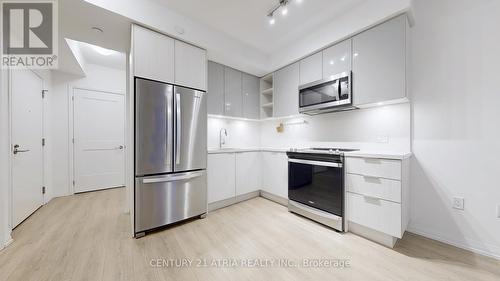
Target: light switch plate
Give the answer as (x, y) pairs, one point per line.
(458, 203)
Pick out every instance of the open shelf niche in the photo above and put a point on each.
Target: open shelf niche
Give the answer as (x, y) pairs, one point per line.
(266, 96)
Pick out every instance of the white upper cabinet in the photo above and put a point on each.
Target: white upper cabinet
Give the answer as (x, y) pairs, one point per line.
(232, 92)
(311, 68)
(379, 63)
(190, 66)
(337, 59)
(215, 91)
(250, 91)
(153, 55)
(286, 91)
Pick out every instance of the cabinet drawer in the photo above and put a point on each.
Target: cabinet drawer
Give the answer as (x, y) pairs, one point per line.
(377, 214)
(374, 187)
(384, 168)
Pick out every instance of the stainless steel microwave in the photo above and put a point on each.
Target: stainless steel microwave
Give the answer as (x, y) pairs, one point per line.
(327, 95)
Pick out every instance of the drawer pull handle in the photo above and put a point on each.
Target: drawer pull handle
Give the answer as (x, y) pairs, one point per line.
(372, 200)
(373, 179)
(373, 160)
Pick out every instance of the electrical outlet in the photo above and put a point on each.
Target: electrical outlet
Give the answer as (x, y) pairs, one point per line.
(458, 203)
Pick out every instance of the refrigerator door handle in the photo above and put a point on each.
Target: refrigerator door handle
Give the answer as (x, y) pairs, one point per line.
(178, 128)
(178, 177)
(169, 129)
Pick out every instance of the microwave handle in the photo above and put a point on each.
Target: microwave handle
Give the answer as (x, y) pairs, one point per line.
(339, 89)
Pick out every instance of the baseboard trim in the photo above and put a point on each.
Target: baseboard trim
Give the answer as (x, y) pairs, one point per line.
(231, 201)
(452, 242)
(372, 235)
(6, 244)
(275, 198)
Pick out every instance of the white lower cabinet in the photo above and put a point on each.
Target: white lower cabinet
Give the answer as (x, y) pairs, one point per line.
(248, 177)
(221, 177)
(375, 213)
(275, 173)
(233, 175)
(378, 198)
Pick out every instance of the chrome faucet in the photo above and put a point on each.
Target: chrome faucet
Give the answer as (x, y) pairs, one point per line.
(222, 140)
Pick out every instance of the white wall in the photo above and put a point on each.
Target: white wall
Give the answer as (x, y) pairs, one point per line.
(98, 78)
(456, 67)
(4, 160)
(382, 128)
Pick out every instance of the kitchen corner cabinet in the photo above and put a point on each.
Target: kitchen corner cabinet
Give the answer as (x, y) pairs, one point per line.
(190, 66)
(221, 177)
(215, 89)
(275, 173)
(250, 86)
(337, 59)
(153, 55)
(286, 91)
(311, 68)
(232, 93)
(379, 63)
(248, 174)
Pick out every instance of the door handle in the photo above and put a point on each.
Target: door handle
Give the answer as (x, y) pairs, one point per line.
(317, 163)
(17, 150)
(179, 177)
(120, 147)
(178, 128)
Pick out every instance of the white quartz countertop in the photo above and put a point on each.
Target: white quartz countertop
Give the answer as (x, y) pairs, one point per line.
(236, 150)
(400, 155)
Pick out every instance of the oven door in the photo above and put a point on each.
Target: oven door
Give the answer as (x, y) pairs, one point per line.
(317, 184)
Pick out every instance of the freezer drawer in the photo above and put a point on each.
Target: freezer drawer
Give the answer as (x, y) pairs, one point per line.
(162, 200)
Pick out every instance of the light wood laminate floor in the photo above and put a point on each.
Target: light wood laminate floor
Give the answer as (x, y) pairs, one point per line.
(86, 237)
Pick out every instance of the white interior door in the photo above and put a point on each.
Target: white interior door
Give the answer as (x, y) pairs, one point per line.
(99, 132)
(27, 131)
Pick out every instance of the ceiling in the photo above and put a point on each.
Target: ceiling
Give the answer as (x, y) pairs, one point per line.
(109, 58)
(247, 21)
(76, 19)
(236, 33)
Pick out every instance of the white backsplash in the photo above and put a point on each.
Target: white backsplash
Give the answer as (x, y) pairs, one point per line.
(240, 133)
(381, 128)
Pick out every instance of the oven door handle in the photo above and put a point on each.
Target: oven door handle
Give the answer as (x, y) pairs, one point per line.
(317, 163)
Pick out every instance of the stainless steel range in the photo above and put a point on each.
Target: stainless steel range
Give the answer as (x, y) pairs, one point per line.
(316, 185)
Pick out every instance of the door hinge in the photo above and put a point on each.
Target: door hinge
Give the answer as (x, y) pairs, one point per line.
(43, 141)
(73, 183)
(43, 189)
(44, 92)
(73, 140)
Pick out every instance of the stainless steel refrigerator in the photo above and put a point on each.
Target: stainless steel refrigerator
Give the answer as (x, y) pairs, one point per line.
(170, 154)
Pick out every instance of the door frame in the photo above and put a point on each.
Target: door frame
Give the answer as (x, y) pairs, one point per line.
(11, 157)
(71, 130)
